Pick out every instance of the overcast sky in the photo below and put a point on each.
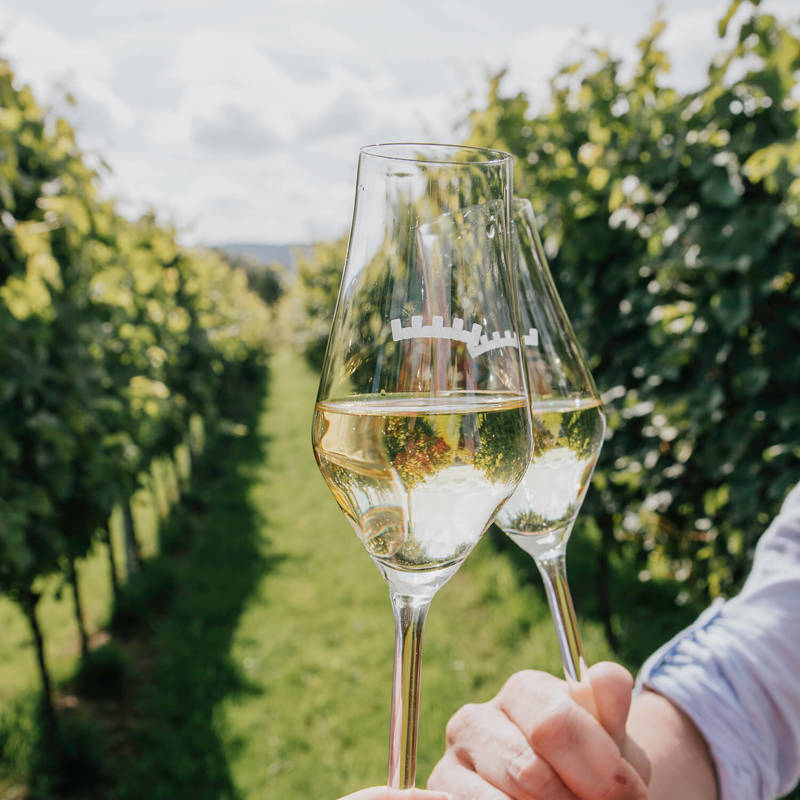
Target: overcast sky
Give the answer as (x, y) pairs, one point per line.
(241, 120)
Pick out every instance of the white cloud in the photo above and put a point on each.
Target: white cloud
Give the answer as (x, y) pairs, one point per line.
(244, 121)
(538, 55)
(687, 41)
(55, 66)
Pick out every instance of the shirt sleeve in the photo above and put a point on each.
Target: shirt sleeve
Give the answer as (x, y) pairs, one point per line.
(736, 671)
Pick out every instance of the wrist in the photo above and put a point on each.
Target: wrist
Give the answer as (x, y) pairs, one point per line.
(681, 761)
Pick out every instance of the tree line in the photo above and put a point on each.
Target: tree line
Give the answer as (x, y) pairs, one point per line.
(672, 223)
(117, 345)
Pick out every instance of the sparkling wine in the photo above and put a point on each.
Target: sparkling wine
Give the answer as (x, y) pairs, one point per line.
(418, 477)
(567, 437)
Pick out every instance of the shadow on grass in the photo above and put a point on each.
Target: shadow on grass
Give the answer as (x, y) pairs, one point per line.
(145, 721)
(643, 615)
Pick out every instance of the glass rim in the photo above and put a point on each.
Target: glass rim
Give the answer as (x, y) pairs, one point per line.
(491, 155)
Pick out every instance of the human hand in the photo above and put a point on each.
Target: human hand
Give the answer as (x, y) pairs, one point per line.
(541, 737)
(382, 793)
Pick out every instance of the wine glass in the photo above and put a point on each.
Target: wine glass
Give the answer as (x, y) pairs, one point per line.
(568, 430)
(422, 427)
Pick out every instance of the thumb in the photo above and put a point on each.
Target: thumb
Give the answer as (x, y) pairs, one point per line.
(612, 687)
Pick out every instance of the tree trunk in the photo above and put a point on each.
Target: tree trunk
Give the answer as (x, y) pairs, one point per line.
(193, 445)
(604, 579)
(29, 600)
(160, 499)
(79, 618)
(133, 552)
(112, 564)
(174, 481)
(191, 458)
(177, 469)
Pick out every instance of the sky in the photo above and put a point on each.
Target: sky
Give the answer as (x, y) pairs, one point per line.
(240, 121)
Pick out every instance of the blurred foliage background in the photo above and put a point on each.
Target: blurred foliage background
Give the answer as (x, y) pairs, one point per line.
(135, 433)
(672, 225)
(121, 353)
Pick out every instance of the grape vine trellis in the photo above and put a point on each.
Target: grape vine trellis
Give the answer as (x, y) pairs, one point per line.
(112, 340)
(672, 224)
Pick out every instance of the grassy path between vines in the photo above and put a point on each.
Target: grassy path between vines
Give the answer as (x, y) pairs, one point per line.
(261, 664)
(265, 669)
(316, 639)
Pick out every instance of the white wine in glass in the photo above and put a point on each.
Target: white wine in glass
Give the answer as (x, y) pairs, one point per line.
(568, 430)
(393, 462)
(422, 425)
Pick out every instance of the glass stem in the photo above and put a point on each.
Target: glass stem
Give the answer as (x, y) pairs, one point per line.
(553, 569)
(409, 615)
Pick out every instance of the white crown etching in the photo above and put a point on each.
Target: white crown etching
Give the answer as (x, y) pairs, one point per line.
(477, 344)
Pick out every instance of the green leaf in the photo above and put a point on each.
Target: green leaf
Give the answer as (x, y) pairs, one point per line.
(751, 382)
(718, 190)
(598, 177)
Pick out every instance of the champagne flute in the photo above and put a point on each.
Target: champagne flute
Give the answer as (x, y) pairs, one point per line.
(422, 425)
(568, 430)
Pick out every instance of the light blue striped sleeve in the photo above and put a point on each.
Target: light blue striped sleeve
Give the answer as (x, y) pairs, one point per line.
(736, 670)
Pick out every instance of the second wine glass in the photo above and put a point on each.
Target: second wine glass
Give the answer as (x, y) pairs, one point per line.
(421, 427)
(568, 431)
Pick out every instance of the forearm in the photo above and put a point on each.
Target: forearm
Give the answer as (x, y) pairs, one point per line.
(679, 756)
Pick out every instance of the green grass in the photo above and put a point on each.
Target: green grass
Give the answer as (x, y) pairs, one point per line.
(315, 640)
(19, 676)
(265, 669)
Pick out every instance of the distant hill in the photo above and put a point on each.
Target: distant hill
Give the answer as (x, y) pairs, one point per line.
(266, 253)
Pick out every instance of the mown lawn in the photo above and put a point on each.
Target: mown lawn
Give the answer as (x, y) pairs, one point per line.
(19, 677)
(266, 671)
(317, 639)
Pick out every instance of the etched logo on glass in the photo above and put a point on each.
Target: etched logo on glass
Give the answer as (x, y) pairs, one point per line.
(476, 341)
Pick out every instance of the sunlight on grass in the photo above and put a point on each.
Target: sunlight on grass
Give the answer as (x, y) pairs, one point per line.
(19, 676)
(316, 638)
(270, 670)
